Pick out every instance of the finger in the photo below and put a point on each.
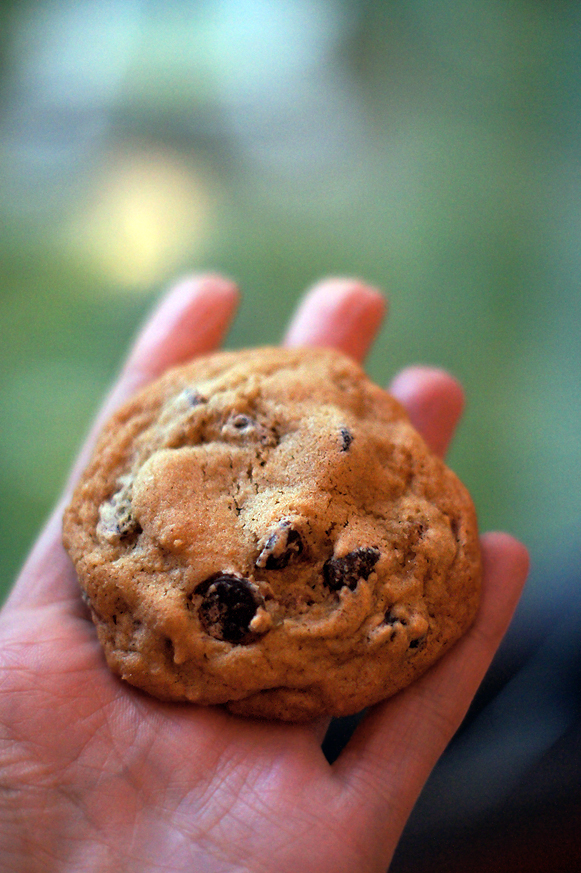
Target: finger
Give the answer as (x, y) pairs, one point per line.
(190, 320)
(392, 752)
(434, 401)
(344, 314)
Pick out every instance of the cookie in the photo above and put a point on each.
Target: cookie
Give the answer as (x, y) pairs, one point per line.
(265, 529)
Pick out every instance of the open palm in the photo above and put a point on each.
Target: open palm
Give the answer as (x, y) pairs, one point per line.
(98, 776)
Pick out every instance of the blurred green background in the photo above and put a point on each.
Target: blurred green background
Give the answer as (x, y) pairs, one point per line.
(429, 148)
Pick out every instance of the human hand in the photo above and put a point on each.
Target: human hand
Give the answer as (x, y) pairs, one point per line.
(98, 776)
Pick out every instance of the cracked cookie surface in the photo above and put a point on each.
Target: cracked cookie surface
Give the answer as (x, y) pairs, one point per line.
(265, 529)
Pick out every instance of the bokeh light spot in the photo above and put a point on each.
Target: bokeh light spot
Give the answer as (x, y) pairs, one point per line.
(148, 214)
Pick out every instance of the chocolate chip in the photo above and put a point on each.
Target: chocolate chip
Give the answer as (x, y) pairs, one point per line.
(229, 604)
(356, 565)
(346, 439)
(415, 644)
(130, 532)
(243, 422)
(280, 548)
(193, 397)
(397, 617)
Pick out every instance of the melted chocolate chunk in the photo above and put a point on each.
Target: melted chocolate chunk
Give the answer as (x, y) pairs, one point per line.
(280, 548)
(349, 570)
(346, 439)
(229, 604)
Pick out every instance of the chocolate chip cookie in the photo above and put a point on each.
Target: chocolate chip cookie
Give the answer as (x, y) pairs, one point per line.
(265, 529)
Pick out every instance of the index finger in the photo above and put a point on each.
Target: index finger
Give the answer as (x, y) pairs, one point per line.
(192, 319)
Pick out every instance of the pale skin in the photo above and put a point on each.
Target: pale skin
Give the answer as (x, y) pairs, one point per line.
(96, 776)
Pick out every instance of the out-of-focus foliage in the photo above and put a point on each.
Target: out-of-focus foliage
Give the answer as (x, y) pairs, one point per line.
(430, 148)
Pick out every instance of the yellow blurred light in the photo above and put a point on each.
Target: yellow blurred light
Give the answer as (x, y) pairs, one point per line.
(149, 213)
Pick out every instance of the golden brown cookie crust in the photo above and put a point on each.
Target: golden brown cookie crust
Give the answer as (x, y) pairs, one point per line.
(265, 529)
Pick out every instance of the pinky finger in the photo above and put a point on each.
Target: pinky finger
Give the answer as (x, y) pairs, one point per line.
(392, 752)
